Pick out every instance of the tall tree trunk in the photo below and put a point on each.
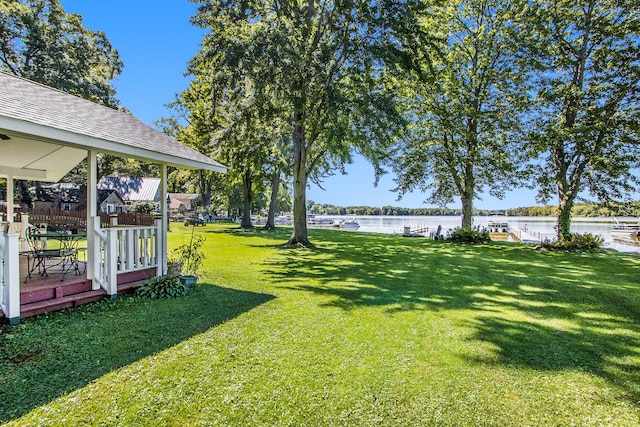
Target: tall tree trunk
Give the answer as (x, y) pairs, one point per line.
(467, 197)
(246, 212)
(275, 185)
(467, 211)
(566, 200)
(299, 236)
(206, 185)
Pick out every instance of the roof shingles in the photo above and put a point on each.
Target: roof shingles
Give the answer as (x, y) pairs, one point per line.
(33, 102)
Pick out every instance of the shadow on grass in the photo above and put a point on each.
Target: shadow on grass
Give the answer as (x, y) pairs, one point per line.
(48, 356)
(540, 310)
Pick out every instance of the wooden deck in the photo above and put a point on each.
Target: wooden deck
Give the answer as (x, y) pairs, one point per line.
(40, 294)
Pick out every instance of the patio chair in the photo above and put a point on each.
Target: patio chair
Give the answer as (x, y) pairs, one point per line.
(38, 255)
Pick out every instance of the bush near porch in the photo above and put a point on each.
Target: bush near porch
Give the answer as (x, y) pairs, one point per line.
(365, 329)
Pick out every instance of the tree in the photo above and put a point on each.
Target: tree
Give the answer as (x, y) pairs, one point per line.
(278, 161)
(585, 130)
(467, 107)
(41, 42)
(309, 64)
(192, 123)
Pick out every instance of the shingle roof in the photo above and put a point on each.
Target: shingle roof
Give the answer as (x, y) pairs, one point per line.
(35, 103)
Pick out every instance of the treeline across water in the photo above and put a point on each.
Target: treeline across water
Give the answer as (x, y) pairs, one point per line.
(590, 210)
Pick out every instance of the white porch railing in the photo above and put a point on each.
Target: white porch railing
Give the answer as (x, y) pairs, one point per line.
(117, 250)
(126, 249)
(10, 275)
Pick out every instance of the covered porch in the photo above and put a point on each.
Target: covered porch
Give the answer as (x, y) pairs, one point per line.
(43, 294)
(44, 133)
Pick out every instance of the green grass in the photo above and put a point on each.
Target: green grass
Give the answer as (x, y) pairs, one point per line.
(363, 330)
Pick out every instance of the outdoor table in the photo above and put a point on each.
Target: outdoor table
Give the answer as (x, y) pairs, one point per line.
(66, 254)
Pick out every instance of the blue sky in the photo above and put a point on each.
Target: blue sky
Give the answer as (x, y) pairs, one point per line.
(156, 40)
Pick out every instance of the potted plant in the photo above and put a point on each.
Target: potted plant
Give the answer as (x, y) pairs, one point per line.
(187, 259)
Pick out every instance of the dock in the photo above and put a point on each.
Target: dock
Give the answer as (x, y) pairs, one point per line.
(526, 236)
(416, 232)
(502, 231)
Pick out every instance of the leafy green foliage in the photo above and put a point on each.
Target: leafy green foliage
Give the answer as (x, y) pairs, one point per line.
(585, 128)
(468, 235)
(307, 69)
(162, 287)
(143, 207)
(467, 114)
(191, 254)
(41, 42)
(574, 242)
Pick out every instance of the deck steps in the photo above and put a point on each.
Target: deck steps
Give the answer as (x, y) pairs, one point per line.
(67, 296)
(54, 304)
(44, 296)
(54, 292)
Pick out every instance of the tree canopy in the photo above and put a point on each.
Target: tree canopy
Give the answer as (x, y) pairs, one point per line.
(41, 42)
(309, 64)
(467, 109)
(585, 130)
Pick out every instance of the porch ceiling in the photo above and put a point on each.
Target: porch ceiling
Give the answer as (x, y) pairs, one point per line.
(25, 158)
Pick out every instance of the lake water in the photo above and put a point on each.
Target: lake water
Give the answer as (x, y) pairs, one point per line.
(543, 226)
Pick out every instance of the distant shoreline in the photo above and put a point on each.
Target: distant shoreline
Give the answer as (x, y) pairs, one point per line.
(593, 210)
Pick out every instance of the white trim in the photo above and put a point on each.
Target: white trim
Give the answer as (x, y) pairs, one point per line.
(10, 199)
(162, 228)
(23, 173)
(92, 212)
(51, 135)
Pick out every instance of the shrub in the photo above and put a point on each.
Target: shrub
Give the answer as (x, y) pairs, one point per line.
(574, 242)
(162, 287)
(465, 235)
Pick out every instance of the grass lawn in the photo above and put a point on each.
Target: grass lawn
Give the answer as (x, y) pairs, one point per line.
(363, 330)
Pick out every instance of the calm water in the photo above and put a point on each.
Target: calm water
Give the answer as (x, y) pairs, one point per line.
(545, 226)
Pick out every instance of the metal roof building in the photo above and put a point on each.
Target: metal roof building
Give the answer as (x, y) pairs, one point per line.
(132, 189)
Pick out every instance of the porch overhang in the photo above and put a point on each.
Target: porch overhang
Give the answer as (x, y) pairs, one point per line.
(45, 132)
(37, 152)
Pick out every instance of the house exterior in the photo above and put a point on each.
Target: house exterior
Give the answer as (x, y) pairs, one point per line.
(44, 133)
(63, 196)
(110, 202)
(180, 203)
(132, 190)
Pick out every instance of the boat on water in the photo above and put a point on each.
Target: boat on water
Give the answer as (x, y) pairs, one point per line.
(320, 221)
(626, 231)
(349, 224)
(498, 229)
(498, 226)
(284, 219)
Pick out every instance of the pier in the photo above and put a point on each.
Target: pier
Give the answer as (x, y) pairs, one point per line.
(528, 236)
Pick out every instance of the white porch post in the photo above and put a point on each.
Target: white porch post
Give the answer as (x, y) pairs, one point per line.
(24, 245)
(93, 249)
(12, 277)
(10, 197)
(162, 229)
(111, 261)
